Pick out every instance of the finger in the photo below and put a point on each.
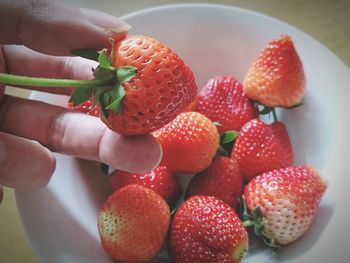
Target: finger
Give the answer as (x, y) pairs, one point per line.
(41, 65)
(138, 154)
(78, 134)
(53, 27)
(103, 20)
(24, 164)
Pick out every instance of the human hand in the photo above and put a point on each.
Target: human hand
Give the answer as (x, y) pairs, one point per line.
(38, 38)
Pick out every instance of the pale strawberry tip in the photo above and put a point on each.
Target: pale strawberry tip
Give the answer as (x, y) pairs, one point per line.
(240, 252)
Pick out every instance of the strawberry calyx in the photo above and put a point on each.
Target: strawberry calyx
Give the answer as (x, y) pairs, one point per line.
(227, 140)
(106, 88)
(109, 96)
(256, 220)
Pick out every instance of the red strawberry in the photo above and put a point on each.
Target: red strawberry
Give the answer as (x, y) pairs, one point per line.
(189, 142)
(162, 87)
(262, 147)
(221, 179)
(276, 78)
(85, 107)
(284, 202)
(222, 100)
(133, 224)
(139, 85)
(206, 230)
(161, 180)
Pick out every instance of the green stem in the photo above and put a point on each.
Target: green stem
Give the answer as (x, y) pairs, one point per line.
(16, 80)
(274, 115)
(248, 223)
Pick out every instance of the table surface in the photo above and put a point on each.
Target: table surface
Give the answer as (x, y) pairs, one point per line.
(326, 21)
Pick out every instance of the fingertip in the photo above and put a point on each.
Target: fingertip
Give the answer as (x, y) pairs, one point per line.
(106, 21)
(148, 156)
(26, 165)
(135, 154)
(46, 171)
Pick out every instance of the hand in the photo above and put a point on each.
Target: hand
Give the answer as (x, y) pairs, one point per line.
(38, 38)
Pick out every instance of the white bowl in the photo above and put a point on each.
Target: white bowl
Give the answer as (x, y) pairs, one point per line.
(60, 220)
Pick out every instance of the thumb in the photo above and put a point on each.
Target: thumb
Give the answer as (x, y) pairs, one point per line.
(56, 28)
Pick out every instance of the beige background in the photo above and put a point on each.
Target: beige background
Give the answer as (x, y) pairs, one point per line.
(328, 21)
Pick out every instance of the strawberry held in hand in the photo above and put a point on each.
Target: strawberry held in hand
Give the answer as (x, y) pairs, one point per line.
(139, 86)
(283, 203)
(189, 142)
(223, 101)
(262, 147)
(133, 224)
(276, 78)
(221, 179)
(161, 180)
(162, 87)
(207, 230)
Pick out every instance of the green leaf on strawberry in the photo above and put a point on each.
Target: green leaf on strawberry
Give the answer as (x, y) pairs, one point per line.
(228, 137)
(256, 220)
(227, 140)
(126, 73)
(109, 96)
(80, 95)
(104, 62)
(117, 95)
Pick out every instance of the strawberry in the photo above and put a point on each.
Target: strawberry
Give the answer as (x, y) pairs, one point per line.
(162, 87)
(139, 85)
(189, 142)
(221, 179)
(133, 224)
(283, 203)
(223, 101)
(86, 107)
(205, 230)
(276, 78)
(161, 180)
(262, 147)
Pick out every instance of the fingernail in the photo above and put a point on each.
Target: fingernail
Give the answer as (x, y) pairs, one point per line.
(3, 152)
(123, 27)
(106, 21)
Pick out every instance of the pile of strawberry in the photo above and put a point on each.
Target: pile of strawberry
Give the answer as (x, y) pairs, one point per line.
(240, 167)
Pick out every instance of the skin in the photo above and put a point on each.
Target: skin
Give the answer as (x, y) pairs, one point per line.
(42, 34)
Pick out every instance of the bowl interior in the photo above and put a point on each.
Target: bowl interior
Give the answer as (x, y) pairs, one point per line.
(60, 220)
